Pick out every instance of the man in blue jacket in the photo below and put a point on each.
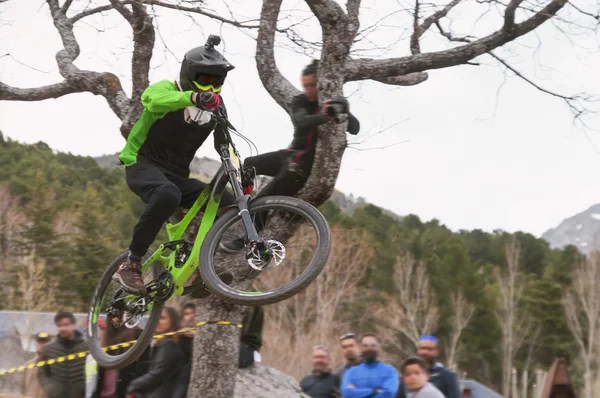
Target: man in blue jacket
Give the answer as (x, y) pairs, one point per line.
(371, 378)
(442, 378)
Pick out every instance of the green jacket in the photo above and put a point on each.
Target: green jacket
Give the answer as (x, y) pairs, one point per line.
(163, 136)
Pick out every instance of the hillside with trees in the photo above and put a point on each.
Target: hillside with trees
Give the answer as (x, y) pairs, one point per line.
(63, 218)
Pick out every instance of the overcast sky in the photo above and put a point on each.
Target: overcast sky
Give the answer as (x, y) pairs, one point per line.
(470, 146)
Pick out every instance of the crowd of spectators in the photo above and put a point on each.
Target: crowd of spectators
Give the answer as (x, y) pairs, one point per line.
(162, 371)
(364, 375)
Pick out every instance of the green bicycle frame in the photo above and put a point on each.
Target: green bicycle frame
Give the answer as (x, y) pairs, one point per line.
(209, 198)
(176, 232)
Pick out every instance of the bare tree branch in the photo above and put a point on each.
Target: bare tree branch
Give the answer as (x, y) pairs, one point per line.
(449, 36)
(124, 11)
(177, 7)
(573, 101)
(363, 69)
(9, 55)
(143, 39)
(328, 12)
(363, 33)
(509, 14)
(419, 30)
(353, 23)
(92, 11)
(8, 93)
(143, 44)
(276, 84)
(200, 11)
(589, 14)
(436, 16)
(412, 79)
(66, 6)
(105, 84)
(415, 47)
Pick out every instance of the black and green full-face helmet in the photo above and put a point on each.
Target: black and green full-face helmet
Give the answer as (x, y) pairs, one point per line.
(204, 61)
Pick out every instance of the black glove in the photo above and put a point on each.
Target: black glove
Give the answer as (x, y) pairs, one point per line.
(208, 101)
(337, 107)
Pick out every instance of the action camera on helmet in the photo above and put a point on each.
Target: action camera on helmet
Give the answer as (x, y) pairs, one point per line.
(212, 41)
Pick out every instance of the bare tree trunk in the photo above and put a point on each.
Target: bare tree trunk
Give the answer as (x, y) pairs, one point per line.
(582, 308)
(514, 326)
(514, 384)
(11, 220)
(216, 350)
(462, 312)
(539, 382)
(587, 381)
(524, 383)
(411, 310)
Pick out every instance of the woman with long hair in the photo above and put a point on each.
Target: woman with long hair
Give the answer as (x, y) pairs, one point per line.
(165, 361)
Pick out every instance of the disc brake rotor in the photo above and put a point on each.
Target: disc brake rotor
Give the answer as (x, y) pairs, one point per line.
(133, 321)
(261, 262)
(138, 307)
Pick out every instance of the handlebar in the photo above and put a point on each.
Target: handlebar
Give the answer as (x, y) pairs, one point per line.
(221, 118)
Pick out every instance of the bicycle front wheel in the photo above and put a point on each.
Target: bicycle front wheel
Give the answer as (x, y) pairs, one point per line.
(122, 310)
(299, 241)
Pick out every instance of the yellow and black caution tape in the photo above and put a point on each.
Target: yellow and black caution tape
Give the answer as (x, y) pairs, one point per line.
(83, 354)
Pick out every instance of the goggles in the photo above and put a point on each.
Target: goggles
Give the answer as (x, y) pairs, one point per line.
(207, 82)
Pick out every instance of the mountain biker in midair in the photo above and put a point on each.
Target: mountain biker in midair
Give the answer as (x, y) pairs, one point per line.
(177, 118)
(291, 167)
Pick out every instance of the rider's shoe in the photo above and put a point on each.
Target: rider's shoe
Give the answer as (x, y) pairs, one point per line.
(129, 275)
(202, 292)
(233, 246)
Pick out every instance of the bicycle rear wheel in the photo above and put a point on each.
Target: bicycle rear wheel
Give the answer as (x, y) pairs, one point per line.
(109, 298)
(284, 222)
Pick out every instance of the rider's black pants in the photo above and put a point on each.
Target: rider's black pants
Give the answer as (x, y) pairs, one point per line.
(163, 194)
(290, 170)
